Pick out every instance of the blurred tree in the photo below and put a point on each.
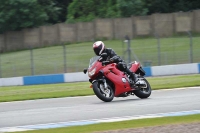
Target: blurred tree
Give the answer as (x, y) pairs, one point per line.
(51, 10)
(132, 7)
(169, 6)
(18, 14)
(87, 10)
(112, 9)
(102, 8)
(55, 9)
(81, 10)
(159, 6)
(186, 5)
(62, 4)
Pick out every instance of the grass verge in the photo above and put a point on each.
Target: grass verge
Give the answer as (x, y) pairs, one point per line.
(15, 93)
(123, 125)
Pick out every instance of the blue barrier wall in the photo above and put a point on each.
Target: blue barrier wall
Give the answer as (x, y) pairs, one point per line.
(43, 79)
(199, 67)
(148, 71)
(193, 68)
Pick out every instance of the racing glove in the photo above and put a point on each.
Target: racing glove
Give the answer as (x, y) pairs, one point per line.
(105, 63)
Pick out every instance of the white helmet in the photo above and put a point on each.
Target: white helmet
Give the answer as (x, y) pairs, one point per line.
(98, 47)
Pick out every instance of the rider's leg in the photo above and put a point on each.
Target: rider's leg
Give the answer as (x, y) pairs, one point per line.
(132, 75)
(123, 67)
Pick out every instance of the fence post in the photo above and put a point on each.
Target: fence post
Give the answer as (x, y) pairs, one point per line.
(127, 40)
(129, 51)
(158, 44)
(32, 61)
(14, 70)
(191, 47)
(64, 58)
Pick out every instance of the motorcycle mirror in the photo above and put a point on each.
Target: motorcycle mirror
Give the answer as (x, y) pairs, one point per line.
(85, 70)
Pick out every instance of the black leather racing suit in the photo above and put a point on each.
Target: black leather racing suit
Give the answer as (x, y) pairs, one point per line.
(121, 65)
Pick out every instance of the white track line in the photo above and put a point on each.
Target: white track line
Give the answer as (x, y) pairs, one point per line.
(94, 121)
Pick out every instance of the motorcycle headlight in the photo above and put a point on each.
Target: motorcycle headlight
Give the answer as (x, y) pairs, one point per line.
(92, 72)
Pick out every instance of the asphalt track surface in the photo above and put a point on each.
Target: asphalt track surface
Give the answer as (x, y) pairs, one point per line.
(55, 110)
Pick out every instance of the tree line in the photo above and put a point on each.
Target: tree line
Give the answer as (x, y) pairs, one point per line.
(19, 14)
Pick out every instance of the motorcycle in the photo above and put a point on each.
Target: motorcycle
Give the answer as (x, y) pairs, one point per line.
(109, 82)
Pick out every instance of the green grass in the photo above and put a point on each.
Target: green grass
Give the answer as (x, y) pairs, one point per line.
(123, 125)
(168, 82)
(14, 93)
(50, 60)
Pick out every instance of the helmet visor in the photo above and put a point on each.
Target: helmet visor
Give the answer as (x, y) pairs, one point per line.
(97, 50)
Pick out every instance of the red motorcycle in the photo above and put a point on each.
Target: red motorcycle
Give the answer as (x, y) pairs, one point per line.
(109, 82)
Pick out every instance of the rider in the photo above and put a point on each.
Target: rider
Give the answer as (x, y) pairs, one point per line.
(99, 48)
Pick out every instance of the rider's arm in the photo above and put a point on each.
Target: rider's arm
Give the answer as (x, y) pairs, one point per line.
(114, 57)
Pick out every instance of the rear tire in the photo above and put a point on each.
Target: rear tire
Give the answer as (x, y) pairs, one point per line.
(100, 94)
(143, 92)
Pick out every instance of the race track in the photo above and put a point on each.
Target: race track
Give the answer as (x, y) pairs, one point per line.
(44, 111)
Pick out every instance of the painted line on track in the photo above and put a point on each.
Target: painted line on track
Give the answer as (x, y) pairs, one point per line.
(94, 121)
(174, 89)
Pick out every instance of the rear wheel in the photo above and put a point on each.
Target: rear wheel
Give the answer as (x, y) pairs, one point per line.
(105, 94)
(143, 91)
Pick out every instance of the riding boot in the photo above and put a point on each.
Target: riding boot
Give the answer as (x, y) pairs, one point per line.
(132, 75)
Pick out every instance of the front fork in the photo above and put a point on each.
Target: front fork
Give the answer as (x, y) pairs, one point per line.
(103, 80)
(103, 86)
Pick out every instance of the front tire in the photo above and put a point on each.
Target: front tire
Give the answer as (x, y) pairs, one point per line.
(105, 95)
(143, 92)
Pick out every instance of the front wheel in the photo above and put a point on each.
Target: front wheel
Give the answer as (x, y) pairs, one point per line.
(144, 91)
(105, 94)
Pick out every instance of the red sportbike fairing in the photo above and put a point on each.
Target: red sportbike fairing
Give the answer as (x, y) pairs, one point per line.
(109, 82)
